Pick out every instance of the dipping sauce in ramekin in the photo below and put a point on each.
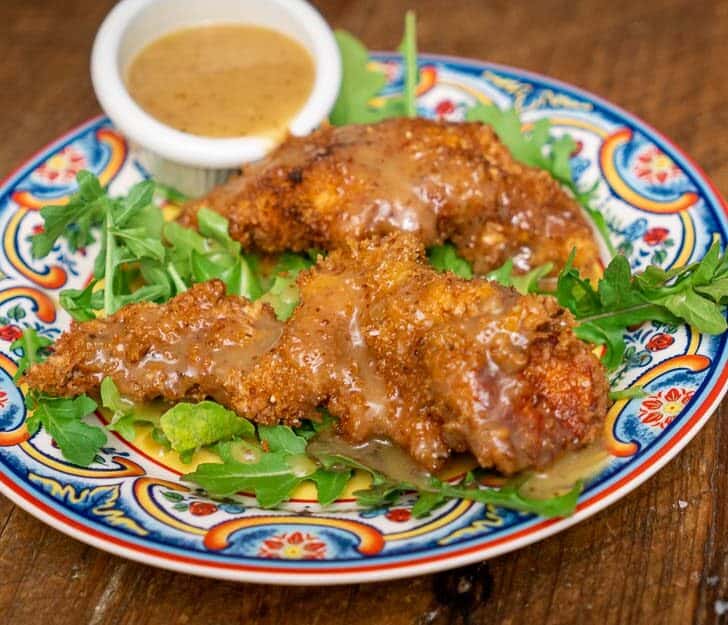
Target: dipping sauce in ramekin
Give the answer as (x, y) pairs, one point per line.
(195, 151)
(222, 80)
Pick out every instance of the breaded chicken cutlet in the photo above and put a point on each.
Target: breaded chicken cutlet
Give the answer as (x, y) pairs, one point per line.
(443, 181)
(394, 349)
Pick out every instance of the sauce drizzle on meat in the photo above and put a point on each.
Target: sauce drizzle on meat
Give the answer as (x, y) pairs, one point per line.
(394, 349)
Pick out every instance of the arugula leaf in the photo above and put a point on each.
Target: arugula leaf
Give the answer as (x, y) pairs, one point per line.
(63, 418)
(81, 303)
(358, 84)
(74, 220)
(427, 502)
(283, 293)
(35, 350)
(204, 269)
(165, 280)
(124, 425)
(446, 258)
(140, 244)
(272, 479)
(194, 258)
(634, 392)
(623, 299)
(282, 296)
(329, 484)
(538, 149)
(380, 495)
(408, 48)
(122, 416)
(699, 311)
(717, 290)
(507, 496)
(273, 470)
(239, 450)
(282, 438)
(136, 243)
(290, 264)
(215, 226)
(528, 148)
(130, 206)
(385, 491)
(189, 426)
(337, 462)
(524, 284)
(182, 242)
(170, 194)
(159, 438)
(250, 278)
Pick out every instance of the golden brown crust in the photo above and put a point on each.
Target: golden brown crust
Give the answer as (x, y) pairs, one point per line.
(441, 180)
(447, 364)
(188, 348)
(391, 347)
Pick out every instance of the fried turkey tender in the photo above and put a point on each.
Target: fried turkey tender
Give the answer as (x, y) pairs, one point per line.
(194, 346)
(435, 363)
(440, 180)
(394, 349)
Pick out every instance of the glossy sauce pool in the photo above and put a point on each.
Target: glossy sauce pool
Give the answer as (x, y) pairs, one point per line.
(222, 80)
(557, 479)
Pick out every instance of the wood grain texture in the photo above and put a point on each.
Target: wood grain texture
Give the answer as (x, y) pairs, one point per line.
(648, 559)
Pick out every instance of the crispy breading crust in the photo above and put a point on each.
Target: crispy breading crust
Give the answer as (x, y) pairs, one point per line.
(448, 364)
(441, 180)
(390, 346)
(187, 349)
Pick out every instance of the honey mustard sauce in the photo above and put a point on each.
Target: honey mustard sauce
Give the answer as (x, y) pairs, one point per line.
(222, 80)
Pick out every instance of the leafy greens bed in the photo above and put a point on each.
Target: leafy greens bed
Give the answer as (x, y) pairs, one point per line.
(142, 257)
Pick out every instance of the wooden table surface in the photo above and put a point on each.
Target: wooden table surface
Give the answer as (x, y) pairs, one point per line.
(645, 560)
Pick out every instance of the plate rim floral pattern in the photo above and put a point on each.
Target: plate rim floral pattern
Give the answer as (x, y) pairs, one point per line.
(644, 464)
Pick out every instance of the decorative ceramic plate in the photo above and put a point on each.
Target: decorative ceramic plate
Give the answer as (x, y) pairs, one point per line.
(659, 207)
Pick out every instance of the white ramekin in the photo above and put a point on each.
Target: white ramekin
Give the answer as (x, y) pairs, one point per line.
(191, 163)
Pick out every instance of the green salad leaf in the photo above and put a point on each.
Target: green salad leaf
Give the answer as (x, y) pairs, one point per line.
(528, 148)
(169, 194)
(427, 502)
(142, 258)
(63, 418)
(623, 299)
(446, 258)
(122, 410)
(509, 496)
(34, 347)
(283, 294)
(633, 392)
(523, 283)
(74, 220)
(330, 484)
(408, 49)
(282, 438)
(271, 469)
(359, 84)
(385, 491)
(189, 426)
(81, 303)
(272, 478)
(538, 148)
